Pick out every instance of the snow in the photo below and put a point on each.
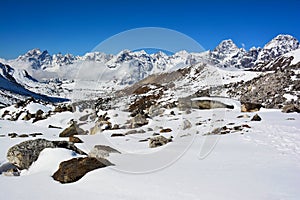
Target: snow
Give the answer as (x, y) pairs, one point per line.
(296, 55)
(261, 163)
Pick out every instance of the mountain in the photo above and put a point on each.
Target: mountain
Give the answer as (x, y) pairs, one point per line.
(12, 86)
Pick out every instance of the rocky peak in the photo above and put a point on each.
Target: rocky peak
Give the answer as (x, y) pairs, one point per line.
(226, 47)
(285, 42)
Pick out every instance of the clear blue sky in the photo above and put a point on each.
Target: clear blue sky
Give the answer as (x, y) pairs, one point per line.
(78, 26)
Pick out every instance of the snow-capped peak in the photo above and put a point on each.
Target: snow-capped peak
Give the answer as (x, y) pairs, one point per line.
(283, 42)
(226, 47)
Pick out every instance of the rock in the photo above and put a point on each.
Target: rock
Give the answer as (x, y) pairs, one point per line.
(155, 110)
(51, 126)
(149, 129)
(72, 170)
(141, 131)
(117, 135)
(27, 117)
(186, 124)
(256, 117)
(155, 134)
(72, 130)
(101, 124)
(23, 135)
(84, 117)
(138, 121)
(102, 151)
(250, 107)
(131, 132)
(9, 169)
(158, 141)
(24, 154)
(172, 113)
(75, 139)
(290, 108)
(63, 108)
(246, 126)
(35, 134)
(144, 140)
(186, 104)
(116, 126)
(12, 135)
(243, 116)
(166, 130)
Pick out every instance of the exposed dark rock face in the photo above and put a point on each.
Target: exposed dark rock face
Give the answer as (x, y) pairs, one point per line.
(24, 154)
(72, 170)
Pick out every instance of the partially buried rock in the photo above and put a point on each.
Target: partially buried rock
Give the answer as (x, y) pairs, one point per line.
(256, 117)
(186, 124)
(290, 108)
(166, 130)
(117, 135)
(75, 139)
(138, 120)
(102, 151)
(72, 170)
(24, 154)
(250, 107)
(158, 141)
(72, 130)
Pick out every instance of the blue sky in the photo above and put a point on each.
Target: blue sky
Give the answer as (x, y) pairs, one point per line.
(78, 26)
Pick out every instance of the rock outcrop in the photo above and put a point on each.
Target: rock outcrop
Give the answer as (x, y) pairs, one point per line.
(24, 154)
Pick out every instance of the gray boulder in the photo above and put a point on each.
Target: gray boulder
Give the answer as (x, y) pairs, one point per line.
(158, 141)
(102, 151)
(24, 154)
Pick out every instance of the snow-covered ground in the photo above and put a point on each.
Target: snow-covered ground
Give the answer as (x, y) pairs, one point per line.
(261, 162)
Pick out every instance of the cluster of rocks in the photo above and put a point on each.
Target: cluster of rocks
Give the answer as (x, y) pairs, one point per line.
(24, 114)
(21, 156)
(269, 89)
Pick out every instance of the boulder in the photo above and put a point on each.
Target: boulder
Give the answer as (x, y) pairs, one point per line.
(72, 130)
(158, 141)
(165, 130)
(72, 170)
(256, 118)
(102, 151)
(138, 121)
(250, 107)
(75, 139)
(291, 108)
(186, 124)
(24, 154)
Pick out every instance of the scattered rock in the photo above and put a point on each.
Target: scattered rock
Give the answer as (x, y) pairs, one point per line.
(290, 118)
(23, 135)
(131, 132)
(138, 121)
(256, 117)
(246, 126)
(166, 130)
(72, 170)
(186, 124)
(290, 108)
(12, 135)
(102, 151)
(117, 135)
(243, 116)
(172, 113)
(57, 127)
(250, 107)
(84, 117)
(24, 154)
(186, 104)
(149, 129)
(158, 141)
(63, 108)
(144, 140)
(75, 139)
(35, 134)
(116, 126)
(185, 135)
(72, 130)
(155, 134)
(141, 131)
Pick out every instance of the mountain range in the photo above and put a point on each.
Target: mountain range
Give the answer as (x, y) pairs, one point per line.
(38, 72)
